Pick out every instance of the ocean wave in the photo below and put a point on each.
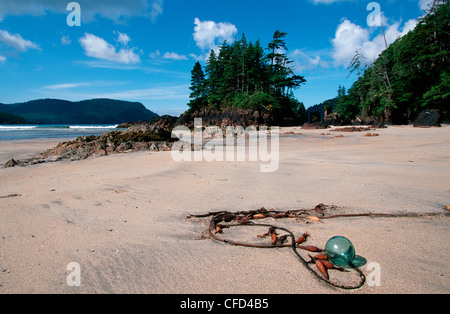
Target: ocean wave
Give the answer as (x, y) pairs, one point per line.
(21, 132)
(55, 127)
(16, 128)
(50, 127)
(95, 127)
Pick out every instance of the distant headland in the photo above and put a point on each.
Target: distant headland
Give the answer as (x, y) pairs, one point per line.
(57, 111)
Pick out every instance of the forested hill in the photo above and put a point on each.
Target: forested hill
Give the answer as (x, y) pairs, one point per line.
(95, 111)
(411, 76)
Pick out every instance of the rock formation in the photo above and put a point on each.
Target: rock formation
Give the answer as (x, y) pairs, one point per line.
(145, 136)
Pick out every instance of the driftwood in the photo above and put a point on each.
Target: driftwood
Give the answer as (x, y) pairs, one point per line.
(11, 195)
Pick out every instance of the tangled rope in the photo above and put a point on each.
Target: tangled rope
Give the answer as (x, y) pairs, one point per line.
(224, 219)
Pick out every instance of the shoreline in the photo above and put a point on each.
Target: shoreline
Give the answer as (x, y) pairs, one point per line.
(122, 217)
(27, 148)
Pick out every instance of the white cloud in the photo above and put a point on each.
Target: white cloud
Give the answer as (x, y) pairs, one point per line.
(97, 47)
(202, 57)
(174, 56)
(425, 4)
(302, 61)
(154, 93)
(66, 86)
(168, 56)
(124, 39)
(209, 34)
(111, 9)
(2, 59)
(409, 26)
(349, 37)
(16, 41)
(157, 9)
(155, 55)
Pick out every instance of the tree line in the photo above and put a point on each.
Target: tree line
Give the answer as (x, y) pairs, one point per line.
(245, 75)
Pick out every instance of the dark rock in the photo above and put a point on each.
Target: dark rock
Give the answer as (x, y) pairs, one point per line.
(226, 117)
(428, 119)
(352, 129)
(13, 163)
(315, 125)
(315, 116)
(336, 120)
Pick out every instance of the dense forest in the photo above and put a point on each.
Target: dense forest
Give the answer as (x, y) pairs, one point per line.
(94, 111)
(245, 75)
(7, 118)
(411, 76)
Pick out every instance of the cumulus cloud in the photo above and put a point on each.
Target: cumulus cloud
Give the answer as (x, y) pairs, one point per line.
(111, 9)
(124, 39)
(302, 61)
(97, 47)
(168, 56)
(350, 37)
(209, 34)
(16, 41)
(174, 56)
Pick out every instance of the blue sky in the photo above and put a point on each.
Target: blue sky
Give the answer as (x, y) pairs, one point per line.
(144, 50)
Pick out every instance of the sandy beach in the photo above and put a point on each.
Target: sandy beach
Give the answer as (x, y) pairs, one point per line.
(122, 218)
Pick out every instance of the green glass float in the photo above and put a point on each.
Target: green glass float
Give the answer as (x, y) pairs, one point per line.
(340, 251)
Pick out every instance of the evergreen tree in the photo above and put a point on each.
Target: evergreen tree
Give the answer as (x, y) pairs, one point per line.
(242, 75)
(198, 87)
(282, 78)
(410, 76)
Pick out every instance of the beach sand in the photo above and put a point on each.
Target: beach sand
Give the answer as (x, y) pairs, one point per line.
(122, 218)
(25, 149)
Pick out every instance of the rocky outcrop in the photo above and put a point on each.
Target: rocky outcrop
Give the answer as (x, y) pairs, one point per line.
(146, 136)
(353, 129)
(336, 120)
(315, 126)
(226, 117)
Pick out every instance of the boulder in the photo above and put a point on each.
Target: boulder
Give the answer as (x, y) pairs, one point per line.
(428, 118)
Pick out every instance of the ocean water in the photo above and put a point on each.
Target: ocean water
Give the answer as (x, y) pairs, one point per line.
(29, 132)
